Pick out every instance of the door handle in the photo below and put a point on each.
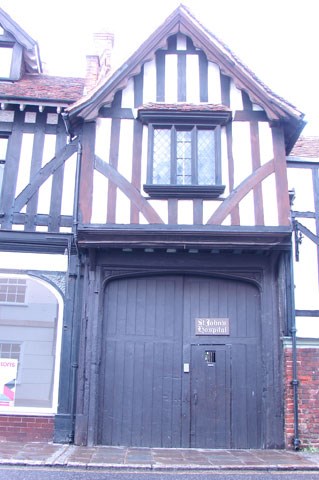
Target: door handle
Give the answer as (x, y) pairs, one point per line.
(195, 397)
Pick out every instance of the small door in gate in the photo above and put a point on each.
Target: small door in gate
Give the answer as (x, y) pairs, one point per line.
(210, 396)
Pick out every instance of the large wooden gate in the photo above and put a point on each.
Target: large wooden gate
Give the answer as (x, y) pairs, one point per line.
(163, 384)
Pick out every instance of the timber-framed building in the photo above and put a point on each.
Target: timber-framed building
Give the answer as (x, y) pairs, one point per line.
(168, 214)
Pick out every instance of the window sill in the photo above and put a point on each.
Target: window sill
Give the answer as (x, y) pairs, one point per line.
(184, 191)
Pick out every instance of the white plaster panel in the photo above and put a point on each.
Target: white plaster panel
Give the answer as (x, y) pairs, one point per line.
(34, 261)
(44, 198)
(65, 230)
(144, 155)
(123, 208)
(68, 186)
(171, 78)
(149, 82)
(161, 208)
(128, 95)
(224, 161)
(30, 117)
(125, 149)
(6, 115)
(214, 86)
(209, 207)
(269, 194)
(300, 179)
(192, 79)
(307, 327)
(99, 204)
(236, 100)
(227, 221)
(265, 142)
(247, 210)
(181, 42)
(257, 108)
(41, 228)
(18, 227)
(25, 162)
(241, 152)
(306, 273)
(185, 212)
(103, 138)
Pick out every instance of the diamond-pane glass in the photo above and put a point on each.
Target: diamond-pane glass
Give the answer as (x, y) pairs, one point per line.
(162, 157)
(183, 157)
(206, 157)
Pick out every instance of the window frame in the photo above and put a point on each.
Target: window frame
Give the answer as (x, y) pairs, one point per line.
(193, 120)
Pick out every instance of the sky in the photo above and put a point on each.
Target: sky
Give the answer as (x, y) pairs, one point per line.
(277, 39)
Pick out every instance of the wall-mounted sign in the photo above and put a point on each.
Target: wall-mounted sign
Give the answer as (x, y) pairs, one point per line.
(8, 373)
(211, 326)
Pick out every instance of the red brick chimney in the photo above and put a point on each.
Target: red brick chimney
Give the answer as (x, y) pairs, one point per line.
(98, 63)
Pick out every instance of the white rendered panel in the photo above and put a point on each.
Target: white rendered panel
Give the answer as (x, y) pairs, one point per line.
(307, 327)
(306, 272)
(300, 179)
(224, 161)
(144, 155)
(227, 221)
(6, 115)
(185, 212)
(99, 204)
(265, 143)
(209, 207)
(68, 186)
(214, 86)
(123, 208)
(128, 95)
(161, 208)
(25, 162)
(171, 82)
(257, 108)
(247, 210)
(126, 149)
(269, 194)
(241, 152)
(149, 82)
(236, 100)
(103, 138)
(192, 79)
(181, 42)
(44, 198)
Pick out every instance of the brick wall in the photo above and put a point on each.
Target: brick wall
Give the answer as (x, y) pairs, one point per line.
(17, 428)
(308, 396)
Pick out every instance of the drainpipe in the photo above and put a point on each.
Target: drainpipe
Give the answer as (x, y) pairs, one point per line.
(295, 381)
(76, 271)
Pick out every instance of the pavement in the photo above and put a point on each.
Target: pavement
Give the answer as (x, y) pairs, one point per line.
(154, 459)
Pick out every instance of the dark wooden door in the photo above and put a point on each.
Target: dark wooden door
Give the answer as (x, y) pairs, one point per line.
(141, 402)
(147, 396)
(210, 396)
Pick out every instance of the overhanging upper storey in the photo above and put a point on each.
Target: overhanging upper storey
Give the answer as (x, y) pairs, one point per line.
(182, 22)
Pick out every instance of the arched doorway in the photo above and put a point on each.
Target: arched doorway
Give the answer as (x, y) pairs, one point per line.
(164, 382)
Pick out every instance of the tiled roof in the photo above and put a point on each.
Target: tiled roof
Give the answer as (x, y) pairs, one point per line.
(306, 147)
(43, 87)
(184, 107)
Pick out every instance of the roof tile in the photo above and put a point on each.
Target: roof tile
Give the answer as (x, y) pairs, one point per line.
(44, 87)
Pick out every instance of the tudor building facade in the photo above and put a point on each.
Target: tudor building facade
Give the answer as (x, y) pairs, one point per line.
(166, 186)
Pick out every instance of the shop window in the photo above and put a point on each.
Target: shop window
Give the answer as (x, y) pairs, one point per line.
(30, 319)
(12, 290)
